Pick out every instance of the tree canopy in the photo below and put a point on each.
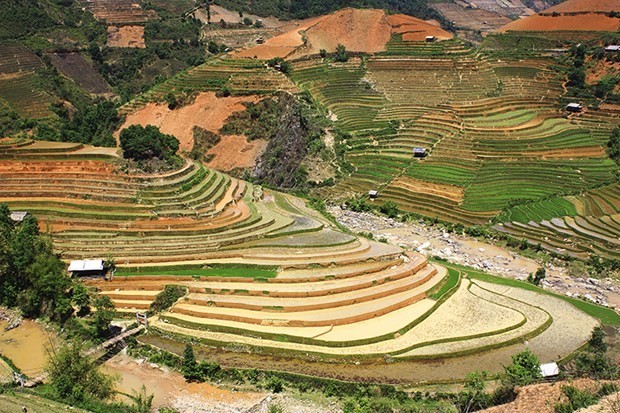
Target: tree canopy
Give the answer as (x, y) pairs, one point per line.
(144, 143)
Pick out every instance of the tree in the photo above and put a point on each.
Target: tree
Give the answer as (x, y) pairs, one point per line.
(536, 278)
(594, 362)
(390, 209)
(247, 21)
(143, 402)
(104, 315)
(143, 143)
(323, 53)
(473, 398)
(525, 369)
(341, 53)
(75, 377)
(597, 340)
(81, 298)
(190, 366)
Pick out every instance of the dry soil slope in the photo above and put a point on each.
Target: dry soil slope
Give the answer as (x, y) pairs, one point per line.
(574, 15)
(367, 31)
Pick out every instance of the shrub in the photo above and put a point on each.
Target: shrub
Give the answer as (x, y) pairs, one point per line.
(341, 54)
(168, 297)
(390, 209)
(540, 275)
(275, 384)
(525, 369)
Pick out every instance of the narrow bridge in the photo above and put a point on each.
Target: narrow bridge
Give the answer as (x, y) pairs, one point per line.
(115, 340)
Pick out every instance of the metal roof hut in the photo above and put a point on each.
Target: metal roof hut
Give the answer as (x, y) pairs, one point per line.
(419, 152)
(19, 216)
(574, 107)
(87, 268)
(613, 48)
(430, 39)
(549, 370)
(373, 194)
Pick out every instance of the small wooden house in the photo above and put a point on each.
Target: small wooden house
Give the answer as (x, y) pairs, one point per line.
(549, 370)
(574, 107)
(419, 152)
(19, 216)
(87, 268)
(373, 194)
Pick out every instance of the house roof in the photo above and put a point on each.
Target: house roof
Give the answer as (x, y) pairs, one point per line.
(18, 216)
(613, 48)
(373, 192)
(86, 265)
(549, 369)
(573, 105)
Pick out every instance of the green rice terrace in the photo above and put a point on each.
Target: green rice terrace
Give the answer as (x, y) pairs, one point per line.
(262, 271)
(496, 136)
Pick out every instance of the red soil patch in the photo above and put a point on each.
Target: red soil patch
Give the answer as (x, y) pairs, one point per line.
(282, 45)
(600, 68)
(414, 29)
(575, 6)
(358, 30)
(207, 111)
(236, 152)
(126, 36)
(581, 22)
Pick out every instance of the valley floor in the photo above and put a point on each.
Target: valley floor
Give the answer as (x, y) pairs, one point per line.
(459, 249)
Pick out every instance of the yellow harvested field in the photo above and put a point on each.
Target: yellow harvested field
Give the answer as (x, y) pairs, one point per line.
(534, 318)
(562, 337)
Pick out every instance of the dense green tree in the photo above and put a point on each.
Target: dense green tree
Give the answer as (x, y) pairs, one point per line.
(537, 278)
(143, 143)
(31, 275)
(525, 369)
(341, 53)
(473, 397)
(190, 366)
(104, 314)
(390, 209)
(75, 377)
(594, 362)
(81, 298)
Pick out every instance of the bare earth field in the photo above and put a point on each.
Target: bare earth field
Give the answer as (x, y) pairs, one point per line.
(581, 22)
(541, 398)
(170, 388)
(206, 111)
(235, 151)
(126, 36)
(573, 6)
(358, 30)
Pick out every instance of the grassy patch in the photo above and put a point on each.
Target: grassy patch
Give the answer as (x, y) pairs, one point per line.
(607, 316)
(445, 285)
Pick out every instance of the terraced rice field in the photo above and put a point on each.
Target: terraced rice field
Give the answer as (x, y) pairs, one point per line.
(494, 131)
(239, 76)
(261, 270)
(119, 11)
(18, 86)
